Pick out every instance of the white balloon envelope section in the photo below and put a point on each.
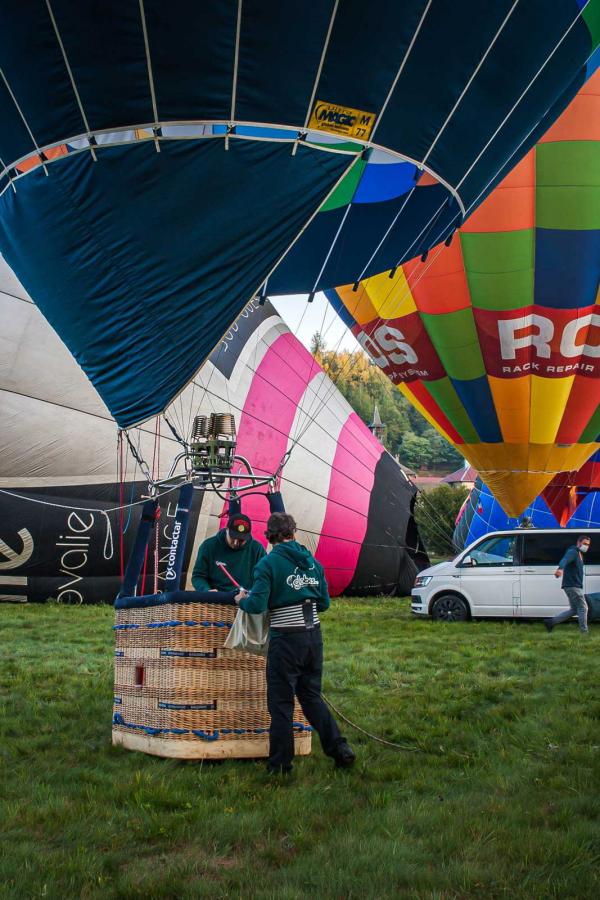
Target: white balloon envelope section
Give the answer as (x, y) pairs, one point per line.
(63, 473)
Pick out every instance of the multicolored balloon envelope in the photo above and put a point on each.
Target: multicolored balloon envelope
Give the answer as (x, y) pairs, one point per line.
(481, 513)
(59, 464)
(496, 337)
(160, 158)
(567, 490)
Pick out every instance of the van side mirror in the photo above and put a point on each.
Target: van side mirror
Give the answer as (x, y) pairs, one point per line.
(467, 561)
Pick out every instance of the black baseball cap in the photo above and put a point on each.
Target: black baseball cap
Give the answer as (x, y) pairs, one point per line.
(239, 527)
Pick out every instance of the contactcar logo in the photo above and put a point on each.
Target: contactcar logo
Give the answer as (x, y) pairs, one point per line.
(344, 120)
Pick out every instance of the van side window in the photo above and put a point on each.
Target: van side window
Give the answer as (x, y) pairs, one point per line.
(546, 549)
(496, 551)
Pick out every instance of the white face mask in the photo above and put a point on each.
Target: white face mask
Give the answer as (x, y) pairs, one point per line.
(584, 548)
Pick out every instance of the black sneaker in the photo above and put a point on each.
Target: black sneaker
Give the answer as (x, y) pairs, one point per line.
(278, 770)
(549, 624)
(344, 755)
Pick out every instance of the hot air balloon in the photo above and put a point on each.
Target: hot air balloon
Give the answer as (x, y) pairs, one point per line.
(495, 338)
(481, 513)
(149, 190)
(568, 490)
(60, 468)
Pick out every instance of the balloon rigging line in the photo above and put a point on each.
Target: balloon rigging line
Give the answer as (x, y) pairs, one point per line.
(327, 257)
(469, 82)
(138, 457)
(10, 181)
(150, 73)
(512, 109)
(25, 122)
(500, 169)
(86, 124)
(313, 452)
(434, 520)
(453, 191)
(378, 321)
(313, 420)
(346, 171)
(423, 162)
(342, 422)
(236, 58)
(401, 68)
(127, 523)
(321, 64)
(121, 499)
(91, 509)
(334, 241)
(336, 349)
(313, 215)
(366, 445)
(391, 225)
(438, 135)
(301, 410)
(433, 517)
(309, 419)
(369, 545)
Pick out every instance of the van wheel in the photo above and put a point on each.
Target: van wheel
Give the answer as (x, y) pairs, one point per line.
(450, 608)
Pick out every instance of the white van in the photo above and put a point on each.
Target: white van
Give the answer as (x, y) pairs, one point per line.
(506, 573)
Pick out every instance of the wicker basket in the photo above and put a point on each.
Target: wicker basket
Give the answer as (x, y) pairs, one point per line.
(180, 693)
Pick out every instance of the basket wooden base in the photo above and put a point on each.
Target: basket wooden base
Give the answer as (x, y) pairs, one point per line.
(181, 749)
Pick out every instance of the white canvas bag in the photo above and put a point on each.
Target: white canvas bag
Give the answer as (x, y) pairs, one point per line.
(249, 633)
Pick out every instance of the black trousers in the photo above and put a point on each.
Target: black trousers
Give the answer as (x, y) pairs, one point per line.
(294, 669)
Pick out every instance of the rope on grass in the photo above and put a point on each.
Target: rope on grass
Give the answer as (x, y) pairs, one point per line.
(401, 747)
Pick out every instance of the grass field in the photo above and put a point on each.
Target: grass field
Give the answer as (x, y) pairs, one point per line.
(499, 797)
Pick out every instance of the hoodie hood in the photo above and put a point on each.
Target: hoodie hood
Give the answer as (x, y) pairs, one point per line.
(296, 554)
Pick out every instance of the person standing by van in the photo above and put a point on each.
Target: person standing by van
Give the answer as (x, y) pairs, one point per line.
(571, 569)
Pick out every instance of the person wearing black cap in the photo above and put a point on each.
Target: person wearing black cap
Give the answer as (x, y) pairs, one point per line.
(291, 585)
(236, 548)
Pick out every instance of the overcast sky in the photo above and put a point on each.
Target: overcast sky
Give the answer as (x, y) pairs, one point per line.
(303, 319)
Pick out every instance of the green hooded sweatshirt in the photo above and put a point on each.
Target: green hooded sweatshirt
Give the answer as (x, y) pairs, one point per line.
(288, 575)
(207, 575)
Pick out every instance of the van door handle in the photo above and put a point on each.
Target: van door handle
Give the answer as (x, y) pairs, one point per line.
(529, 570)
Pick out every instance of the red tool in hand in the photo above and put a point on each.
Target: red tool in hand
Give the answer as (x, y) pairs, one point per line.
(223, 568)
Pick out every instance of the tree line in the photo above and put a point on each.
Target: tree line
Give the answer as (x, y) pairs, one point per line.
(407, 435)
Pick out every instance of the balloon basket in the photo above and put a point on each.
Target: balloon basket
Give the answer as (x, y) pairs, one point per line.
(179, 692)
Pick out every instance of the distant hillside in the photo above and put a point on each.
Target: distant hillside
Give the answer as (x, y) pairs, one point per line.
(407, 433)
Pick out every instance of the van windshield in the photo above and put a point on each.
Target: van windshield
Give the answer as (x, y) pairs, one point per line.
(496, 551)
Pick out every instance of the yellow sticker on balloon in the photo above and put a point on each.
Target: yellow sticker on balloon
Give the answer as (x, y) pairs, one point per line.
(344, 120)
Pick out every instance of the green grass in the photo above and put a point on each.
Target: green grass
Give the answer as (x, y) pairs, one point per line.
(498, 799)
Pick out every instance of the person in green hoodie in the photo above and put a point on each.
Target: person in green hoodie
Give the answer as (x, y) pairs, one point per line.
(236, 548)
(291, 585)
